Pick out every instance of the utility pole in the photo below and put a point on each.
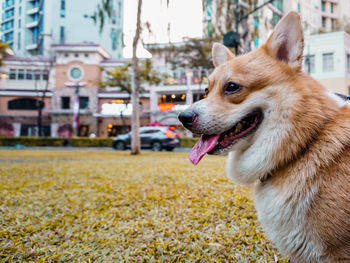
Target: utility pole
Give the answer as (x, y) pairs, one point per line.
(76, 105)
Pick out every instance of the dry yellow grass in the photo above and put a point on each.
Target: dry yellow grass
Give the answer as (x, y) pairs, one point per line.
(103, 206)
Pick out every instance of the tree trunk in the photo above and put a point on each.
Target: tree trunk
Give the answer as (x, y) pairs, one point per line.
(135, 118)
(246, 36)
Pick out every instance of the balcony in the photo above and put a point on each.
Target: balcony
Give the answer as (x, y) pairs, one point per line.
(32, 24)
(33, 11)
(5, 31)
(32, 46)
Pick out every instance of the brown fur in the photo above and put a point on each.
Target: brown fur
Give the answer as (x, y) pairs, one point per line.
(309, 160)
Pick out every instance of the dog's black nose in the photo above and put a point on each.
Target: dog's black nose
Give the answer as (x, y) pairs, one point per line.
(187, 117)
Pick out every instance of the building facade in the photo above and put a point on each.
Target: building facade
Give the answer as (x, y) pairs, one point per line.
(327, 59)
(30, 27)
(76, 72)
(179, 90)
(318, 16)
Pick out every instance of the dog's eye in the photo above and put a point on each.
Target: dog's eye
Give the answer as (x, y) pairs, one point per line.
(231, 88)
(206, 91)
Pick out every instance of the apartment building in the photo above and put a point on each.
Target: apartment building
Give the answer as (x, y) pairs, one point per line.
(327, 59)
(30, 27)
(318, 16)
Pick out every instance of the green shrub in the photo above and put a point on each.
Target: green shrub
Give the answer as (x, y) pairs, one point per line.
(188, 142)
(31, 141)
(75, 141)
(90, 142)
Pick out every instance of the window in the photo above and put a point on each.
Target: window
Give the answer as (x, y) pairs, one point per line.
(45, 75)
(37, 74)
(348, 62)
(29, 74)
(83, 102)
(61, 34)
(114, 39)
(63, 8)
(323, 6)
(310, 63)
(275, 18)
(20, 10)
(278, 4)
(75, 73)
(324, 22)
(22, 104)
(86, 55)
(21, 74)
(328, 63)
(76, 55)
(65, 103)
(172, 98)
(333, 24)
(12, 74)
(19, 23)
(66, 55)
(299, 7)
(19, 41)
(332, 8)
(198, 96)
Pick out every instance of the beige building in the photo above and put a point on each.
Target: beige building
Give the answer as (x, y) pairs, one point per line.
(75, 73)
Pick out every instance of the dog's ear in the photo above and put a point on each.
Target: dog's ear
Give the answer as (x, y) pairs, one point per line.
(220, 54)
(286, 42)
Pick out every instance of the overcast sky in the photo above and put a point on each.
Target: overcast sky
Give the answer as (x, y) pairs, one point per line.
(185, 17)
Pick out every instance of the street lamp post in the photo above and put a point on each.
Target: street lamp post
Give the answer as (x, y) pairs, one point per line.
(189, 95)
(76, 106)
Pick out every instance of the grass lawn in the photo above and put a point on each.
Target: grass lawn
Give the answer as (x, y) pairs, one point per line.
(105, 206)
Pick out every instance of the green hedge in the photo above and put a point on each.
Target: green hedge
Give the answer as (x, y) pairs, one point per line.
(51, 141)
(75, 141)
(32, 141)
(90, 142)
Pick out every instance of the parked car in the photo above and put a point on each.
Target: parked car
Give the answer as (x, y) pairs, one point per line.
(155, 138)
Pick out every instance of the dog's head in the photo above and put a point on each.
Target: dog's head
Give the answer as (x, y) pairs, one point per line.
(248, 96)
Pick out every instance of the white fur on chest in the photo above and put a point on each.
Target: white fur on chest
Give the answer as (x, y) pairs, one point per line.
(285, 222)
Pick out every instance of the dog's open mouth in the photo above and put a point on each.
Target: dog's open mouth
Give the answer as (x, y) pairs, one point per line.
(218, 143)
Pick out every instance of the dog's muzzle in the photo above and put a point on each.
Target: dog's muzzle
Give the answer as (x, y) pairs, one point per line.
(188, 118)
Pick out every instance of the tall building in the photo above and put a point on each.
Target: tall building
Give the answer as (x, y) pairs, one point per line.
(318, 16)
(30, 27)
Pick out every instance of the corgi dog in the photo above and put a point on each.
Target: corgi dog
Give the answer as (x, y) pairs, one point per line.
(286, 135)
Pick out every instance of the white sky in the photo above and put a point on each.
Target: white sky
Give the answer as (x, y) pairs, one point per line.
(185, 17)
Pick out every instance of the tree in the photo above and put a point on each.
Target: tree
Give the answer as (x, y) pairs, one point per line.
(41, 99)
(135, 87)
(224, 16)
(102, 13)
(3, 52)
(121, 77)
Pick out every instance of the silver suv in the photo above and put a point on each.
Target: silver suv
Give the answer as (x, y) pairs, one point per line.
(155, 138)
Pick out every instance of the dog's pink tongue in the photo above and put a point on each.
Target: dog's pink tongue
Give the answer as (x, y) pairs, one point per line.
(204, 145)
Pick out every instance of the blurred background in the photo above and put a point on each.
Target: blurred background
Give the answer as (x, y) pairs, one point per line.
(66, 64)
